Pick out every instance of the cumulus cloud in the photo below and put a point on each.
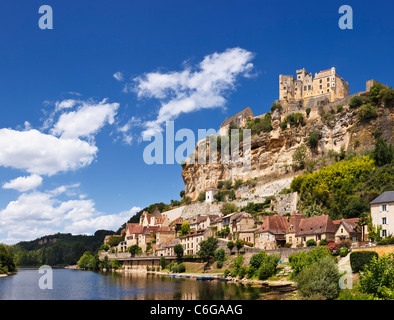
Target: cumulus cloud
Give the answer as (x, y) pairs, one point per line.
(192, 89)
(86, 121)
(118, 76)
(37, 214)
(43, 154)
(23, 184)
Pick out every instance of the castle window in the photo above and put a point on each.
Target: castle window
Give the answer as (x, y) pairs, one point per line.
(328, 90)
(321, 87)
(328, 79)
(321, 80)
(304, 88)
(328, 84)
(309, 87)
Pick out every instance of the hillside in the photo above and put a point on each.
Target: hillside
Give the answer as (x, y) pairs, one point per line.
(340, 127)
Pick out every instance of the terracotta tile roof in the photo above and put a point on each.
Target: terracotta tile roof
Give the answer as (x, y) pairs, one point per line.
(274, 224)
(294, 221)
(350, 225)
(315, 225)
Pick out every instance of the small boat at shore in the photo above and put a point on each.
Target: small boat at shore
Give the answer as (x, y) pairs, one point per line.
(205, 278)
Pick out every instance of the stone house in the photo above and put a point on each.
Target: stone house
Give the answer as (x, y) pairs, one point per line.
(239, 119)
(191, 241)
(167, 249)
(146, 237)
(241, 221)
(294, 222)
(132, 232)
(382, 213)
(247, 235)
(272, 233)
(316, 228)
(348, 229)
(198, 222)
(164, 235)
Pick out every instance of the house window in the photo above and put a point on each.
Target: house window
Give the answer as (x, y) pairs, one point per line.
(384, 233)
(384, 220)
(384, 207)
(303, 239)
(318, 237)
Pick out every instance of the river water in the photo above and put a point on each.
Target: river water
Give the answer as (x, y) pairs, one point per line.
(87, 285)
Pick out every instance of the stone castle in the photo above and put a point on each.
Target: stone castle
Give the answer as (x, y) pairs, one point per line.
(326, 84)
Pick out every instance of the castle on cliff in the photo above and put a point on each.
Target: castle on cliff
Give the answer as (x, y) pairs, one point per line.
(326, 84)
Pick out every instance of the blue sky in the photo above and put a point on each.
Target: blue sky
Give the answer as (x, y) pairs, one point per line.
(71, 132)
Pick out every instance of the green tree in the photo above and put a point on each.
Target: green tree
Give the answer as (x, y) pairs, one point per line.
(382, 153)
(185, 228)
(319, 280)
(182, 193)
(230, 245)
(299, 156)
(367, 112)
(85, 261)
(208, 248)
(239, 244)
(228, 208)
(6, 259)
(163, 262)
(178, 250)
(356, 102)
(135, 249)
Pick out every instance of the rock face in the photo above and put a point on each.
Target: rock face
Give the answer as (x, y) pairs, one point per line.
(272, 152)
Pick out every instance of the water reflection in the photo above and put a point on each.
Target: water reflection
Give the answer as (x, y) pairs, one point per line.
(87, 285)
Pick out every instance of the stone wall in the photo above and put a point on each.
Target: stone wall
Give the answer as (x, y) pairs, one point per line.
(380, 250)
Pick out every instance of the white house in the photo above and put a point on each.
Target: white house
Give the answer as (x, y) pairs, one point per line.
(382, 213)
(210, 195)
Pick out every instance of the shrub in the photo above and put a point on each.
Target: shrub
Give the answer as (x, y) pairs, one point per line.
(220, 184)
(319, 279)
(374, 94)
(360, 259)
(201, 196)
(367, 112)
(303, 259)
(387, 96)
(299, 156)
(237, 263)
(226, 272)
(228, 184)
(219, 196)
(343, 252)
(257, 259)
(241, 272)
(178, 268)
(238, 183)
(311, 243)
(356, 102)
(339, 108)
(377, 133)
(275, 106)
(308, 111)
(228, 208)
(230, 245)
(323, 242)
(295, 119)
(378, 277)
(283, 125)
(220, 254)
(219, 264)
(313, 139)
(266, 270)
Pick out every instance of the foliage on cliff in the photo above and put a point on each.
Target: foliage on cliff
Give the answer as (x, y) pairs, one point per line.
(345, 188)
(7, 263)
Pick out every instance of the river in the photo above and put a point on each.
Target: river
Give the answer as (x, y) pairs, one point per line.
(88, 285)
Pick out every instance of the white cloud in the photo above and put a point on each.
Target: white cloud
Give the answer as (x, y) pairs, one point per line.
(193, 89)
(23, 184)
(37, 214)
(118, 76)
(65, 104)
(43, 154)
(86, 121)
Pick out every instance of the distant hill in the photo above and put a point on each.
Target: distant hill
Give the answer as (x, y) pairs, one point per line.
(58, 249)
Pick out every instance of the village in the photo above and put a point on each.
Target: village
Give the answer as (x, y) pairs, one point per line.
(157, 236)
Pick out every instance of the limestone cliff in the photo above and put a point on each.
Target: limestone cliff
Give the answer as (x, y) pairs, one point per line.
(272, 152)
